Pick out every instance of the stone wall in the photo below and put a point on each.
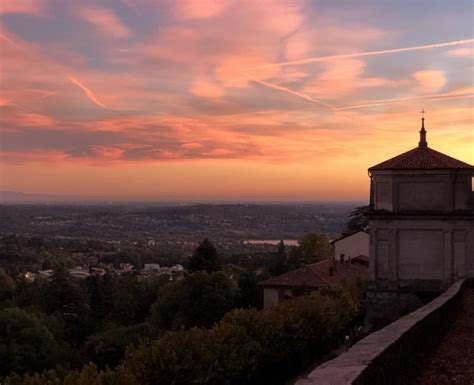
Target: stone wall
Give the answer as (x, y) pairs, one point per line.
(391, 356)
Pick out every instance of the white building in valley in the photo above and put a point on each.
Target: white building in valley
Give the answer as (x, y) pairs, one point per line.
(351, 246)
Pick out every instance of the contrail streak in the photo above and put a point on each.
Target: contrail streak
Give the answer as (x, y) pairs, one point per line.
(373, 103)
(360, 54)
(87, 91)
(7, 39)
(299, 94)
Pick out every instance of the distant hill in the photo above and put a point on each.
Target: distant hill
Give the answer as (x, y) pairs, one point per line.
(19, 197)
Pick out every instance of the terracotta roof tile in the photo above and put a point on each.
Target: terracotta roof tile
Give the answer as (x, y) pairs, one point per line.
(316, 275)
(421, 158)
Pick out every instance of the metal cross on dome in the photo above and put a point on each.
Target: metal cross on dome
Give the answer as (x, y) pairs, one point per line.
(423, 112)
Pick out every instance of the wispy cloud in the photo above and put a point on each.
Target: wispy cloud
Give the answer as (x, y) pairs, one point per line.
(7, 39)
(361, 54)
(291, 92)
(105, 21)
(87, 91)
(447, 95)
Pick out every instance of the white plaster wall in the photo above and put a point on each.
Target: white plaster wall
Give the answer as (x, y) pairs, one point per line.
(352, 246)
(421, 249)
(420, 254)
(423, 190)
(270, 297)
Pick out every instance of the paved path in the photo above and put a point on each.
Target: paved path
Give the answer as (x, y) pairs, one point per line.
(452, 362)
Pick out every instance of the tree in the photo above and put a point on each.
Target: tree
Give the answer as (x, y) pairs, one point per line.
(204, 258)
(279, 263)
(249, 293)
(7, 286)
(358, 219)
(314, 247)
(25, 343)
(108, 347)
(66, 299)
(200, 299)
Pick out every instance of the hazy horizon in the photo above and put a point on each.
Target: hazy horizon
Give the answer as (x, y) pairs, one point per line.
(7, 197)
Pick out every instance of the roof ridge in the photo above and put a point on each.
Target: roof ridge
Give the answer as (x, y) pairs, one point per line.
(421, 158)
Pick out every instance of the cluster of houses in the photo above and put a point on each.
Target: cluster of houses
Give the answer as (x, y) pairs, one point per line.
(149, 270)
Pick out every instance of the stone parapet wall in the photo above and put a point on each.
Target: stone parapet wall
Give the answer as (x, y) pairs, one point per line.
(391, 355)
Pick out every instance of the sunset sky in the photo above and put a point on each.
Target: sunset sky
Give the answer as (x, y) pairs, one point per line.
(227, 100)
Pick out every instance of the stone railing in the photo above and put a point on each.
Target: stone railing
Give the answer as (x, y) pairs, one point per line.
(391, 355)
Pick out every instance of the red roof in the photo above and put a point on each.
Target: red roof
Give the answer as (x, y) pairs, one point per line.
(421, 158)
(317, 275)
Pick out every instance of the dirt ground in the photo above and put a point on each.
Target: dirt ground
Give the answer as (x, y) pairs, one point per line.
(452, 362)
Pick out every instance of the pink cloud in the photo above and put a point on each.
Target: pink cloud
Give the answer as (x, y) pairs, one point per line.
(462, 52)
(200, 9)
(34, 7)
(105, 21)
(429, 81)
(341, 78)
(206, 88)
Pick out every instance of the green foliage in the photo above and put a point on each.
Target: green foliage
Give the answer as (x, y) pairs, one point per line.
(108, 347)
(25, 343)
(7, 286)
(249, 292)
(89, 375)
(247, 347)
(199, 299)
(204, 258)
(314, 247)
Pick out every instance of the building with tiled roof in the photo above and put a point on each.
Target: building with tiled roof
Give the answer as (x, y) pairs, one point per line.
(421, 223)
(311, 277)
(351, 245)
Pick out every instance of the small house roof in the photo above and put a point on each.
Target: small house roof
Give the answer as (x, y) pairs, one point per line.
(317, 275)
(348, 235)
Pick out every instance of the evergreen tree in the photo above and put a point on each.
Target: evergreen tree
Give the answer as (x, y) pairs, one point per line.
(279, 263)
(204, 258)
(358, 220)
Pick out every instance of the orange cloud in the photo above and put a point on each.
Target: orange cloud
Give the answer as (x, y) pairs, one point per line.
(105, 21)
